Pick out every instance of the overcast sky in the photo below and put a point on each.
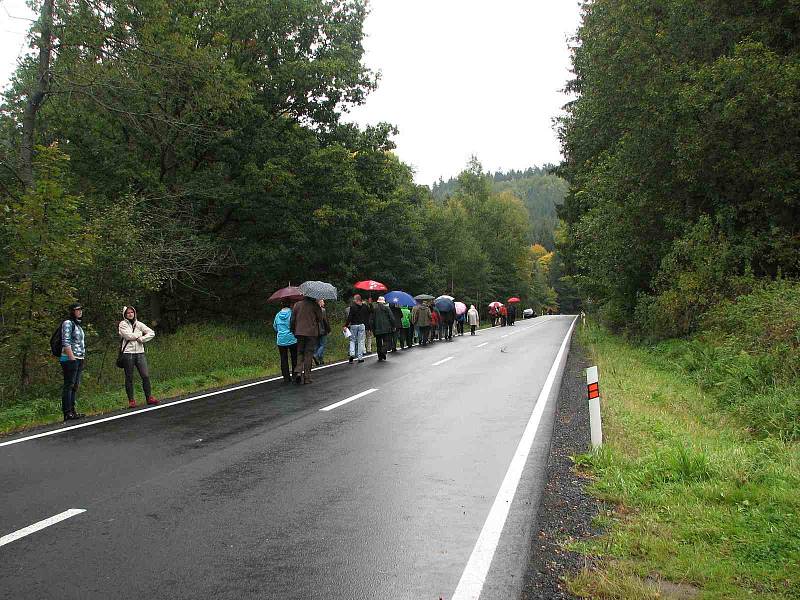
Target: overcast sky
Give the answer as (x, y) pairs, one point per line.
(459, 77)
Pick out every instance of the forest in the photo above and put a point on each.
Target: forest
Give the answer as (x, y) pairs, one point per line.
(190, 157)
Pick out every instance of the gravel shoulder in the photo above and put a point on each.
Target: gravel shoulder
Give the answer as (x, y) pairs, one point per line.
(566, 510)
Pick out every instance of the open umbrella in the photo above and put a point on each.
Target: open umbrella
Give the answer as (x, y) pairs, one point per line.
(495, 304)
(319, 290)
(461, 308)
(513, 299)
(423, 297)
(402, 298)
(444, 304)
(370, 285)
(288, 293)
(445, 296)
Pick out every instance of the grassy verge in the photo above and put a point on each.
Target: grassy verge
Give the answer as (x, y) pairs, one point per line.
(703, 508)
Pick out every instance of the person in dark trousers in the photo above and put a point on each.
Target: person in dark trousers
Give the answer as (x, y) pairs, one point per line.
(503, 316)
(324, 330)
(512, 314)
(460, 323)
(383, 327)
(358, 316)
(73, 354)
(421, 317)
(287, 343)
(406, 331)
(397, 333)
(306, 320)
(448, 318)
(133, 336)
(474, 319)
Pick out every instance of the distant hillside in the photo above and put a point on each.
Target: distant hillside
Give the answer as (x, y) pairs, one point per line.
(540, 191)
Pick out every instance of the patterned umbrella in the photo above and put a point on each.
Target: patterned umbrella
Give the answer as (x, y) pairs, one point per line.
(495, 304)
(461, 308)
(288, 293)
(402, 298)
(370, 285)
(423, 297)
(319, 290)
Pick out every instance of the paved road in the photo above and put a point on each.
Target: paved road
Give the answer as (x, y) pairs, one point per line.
(257, 493)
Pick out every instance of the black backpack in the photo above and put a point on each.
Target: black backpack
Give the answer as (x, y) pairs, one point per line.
(56, 345)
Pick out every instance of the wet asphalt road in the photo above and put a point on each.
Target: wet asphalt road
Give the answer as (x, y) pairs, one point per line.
(256, 493)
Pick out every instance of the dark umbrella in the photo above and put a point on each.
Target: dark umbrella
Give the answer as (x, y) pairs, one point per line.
(402, 298)
(423, 297)
(291, 293)
(319, 290)
(443, 304)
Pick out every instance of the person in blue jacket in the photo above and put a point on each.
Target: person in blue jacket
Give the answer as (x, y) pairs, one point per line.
(287, 343)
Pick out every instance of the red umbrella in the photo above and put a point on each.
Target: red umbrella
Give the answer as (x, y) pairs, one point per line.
(287, 293)
(513, 299)
(370, 285)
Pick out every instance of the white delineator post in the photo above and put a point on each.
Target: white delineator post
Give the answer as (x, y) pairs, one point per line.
(593, 389)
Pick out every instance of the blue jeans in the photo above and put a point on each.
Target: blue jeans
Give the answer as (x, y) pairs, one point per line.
(359, 334)
(320, 351)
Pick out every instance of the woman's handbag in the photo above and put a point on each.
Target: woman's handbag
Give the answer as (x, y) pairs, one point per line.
(121, 355)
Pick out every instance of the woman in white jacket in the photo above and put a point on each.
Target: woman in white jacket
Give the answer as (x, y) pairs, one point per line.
(473, 318)
(133, 336)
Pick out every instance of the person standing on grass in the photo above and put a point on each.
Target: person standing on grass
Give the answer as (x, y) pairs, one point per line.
(324, 330)
(306, 323)
(73, 353)
(473, 318)
(384, 326)
(287, 343)
(133, 336)
(358, 316)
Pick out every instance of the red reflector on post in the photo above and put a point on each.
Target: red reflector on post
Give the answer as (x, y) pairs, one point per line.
(594, 391)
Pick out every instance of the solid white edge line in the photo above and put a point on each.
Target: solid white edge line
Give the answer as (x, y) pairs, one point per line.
(444, 360)
(472, 579)
(21, 533)
(346, 400)
(482, 345)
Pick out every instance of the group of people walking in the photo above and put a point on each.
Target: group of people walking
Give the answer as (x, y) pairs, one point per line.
(502, 315)
(302, 329)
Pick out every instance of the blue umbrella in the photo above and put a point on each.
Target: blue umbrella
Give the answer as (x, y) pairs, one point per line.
(444, 304)
(402, 298)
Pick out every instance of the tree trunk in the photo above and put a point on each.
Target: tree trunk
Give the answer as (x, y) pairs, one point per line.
(36, 94)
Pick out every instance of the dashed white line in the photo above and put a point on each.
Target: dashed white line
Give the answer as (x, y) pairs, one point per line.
(21, 533)
(474, 575)
(346, 400)
(482, 345)
(444, 360)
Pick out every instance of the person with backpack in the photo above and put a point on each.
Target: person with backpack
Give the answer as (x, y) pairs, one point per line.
(72, 340)
(133, 336)
(406, 331)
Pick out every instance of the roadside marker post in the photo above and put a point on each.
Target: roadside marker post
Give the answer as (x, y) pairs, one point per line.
(593, 389)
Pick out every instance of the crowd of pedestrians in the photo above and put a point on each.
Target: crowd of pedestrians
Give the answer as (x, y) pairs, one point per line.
(302, 329)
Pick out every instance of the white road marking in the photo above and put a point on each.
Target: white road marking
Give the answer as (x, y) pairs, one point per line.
(346, 400)
(158, 407)
(482, 345)
(21, 533)
(444, 360)
(474, 575)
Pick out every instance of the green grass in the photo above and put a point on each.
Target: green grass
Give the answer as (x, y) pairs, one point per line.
(698, 499)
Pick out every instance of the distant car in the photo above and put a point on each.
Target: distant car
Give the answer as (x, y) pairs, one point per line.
(527, 313)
